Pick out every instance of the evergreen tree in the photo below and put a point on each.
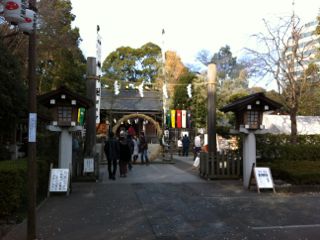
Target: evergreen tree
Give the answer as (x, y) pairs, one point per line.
(133, 65)
(12, 93)
(60, 59)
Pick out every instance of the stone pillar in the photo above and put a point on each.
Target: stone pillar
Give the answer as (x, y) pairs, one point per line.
(249, 156)
(65, 149)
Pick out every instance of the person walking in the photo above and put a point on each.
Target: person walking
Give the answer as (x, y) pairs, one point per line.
(143, 148)
(185, 145)
(124, 154)
(131, 146)
(111, 149)
(179, 145)
(135, 154)
(197, 146)
(131, 131)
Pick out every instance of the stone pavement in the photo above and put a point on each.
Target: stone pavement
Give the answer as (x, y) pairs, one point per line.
(169, 201)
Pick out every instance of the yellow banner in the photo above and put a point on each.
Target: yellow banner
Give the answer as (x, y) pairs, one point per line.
(173, 118)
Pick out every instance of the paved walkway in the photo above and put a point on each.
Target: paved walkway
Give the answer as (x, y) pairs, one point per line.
(169, 201)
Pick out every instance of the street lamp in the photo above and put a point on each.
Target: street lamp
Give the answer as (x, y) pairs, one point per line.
(14, 11)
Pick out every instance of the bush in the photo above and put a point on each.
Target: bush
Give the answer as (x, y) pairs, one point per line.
(4, 153)
(12, 187)
(278, 147)
(296, 172)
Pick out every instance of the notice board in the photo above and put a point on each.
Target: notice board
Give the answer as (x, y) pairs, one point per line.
(263, 178)
(59, 180)
(88, 165)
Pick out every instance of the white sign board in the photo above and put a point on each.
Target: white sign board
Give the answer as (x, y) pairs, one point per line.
(59, 180)
(32, 127)
(263, 177)
(88, 166)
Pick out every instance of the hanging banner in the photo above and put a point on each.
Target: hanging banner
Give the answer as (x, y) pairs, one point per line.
(188, 119)
(168, 119)
(179, 122)
(81, 112)
(173, 118)
(184, 119)
(99, 73)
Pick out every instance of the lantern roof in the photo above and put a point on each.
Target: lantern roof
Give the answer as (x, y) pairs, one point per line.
(63, 94)
(242, 103)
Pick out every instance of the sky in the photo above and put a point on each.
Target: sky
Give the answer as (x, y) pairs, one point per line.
(190, 25)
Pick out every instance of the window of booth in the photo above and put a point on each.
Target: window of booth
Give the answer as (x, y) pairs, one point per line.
(253, 119)
(64, 115)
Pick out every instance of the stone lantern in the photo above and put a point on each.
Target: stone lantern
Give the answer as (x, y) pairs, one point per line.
(64, 106)
(249, 115)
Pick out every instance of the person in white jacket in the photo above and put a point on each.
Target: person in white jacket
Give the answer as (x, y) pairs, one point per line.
(135, 153)
(197, 145)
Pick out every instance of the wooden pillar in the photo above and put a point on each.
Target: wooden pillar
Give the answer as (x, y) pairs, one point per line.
(32, 145)
(211, 124)
(91, 112)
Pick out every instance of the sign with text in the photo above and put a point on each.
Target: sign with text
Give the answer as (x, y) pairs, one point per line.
(32, 134)
(88, 166)
(263, 177)
(59, 180)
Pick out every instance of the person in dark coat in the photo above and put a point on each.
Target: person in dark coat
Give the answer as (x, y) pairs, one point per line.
(185, 145)
(131, 146)
(143, 148)
(124, 154)
(111, 149)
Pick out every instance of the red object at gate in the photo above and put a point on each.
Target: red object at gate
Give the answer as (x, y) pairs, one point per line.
(179, 119)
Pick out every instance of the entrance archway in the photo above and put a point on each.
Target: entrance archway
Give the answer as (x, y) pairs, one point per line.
(138, 115)
(154, 149)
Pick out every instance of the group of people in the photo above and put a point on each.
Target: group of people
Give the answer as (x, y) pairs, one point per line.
(125, 150)
(183, 145)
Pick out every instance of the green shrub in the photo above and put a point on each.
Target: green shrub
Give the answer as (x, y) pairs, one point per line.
(4, 153)
(296, 172)
(13, 177)
(275, 147)
(12, 187)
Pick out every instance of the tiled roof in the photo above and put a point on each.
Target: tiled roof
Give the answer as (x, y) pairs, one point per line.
(82, 101)
(242, 103)
(130, 100)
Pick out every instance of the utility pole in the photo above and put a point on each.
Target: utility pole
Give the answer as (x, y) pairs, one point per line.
(211, 127)
(32, 150)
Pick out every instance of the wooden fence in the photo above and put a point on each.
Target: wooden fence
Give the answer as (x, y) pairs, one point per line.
(221, 166)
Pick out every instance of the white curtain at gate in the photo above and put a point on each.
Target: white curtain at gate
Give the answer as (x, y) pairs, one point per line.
(184, 118)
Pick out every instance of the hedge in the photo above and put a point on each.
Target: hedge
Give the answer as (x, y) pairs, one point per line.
(12, 187)
(13, 177)
(278, 147)
(296, 172)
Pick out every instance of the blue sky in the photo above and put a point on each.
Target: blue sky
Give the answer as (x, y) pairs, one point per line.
(190, 25)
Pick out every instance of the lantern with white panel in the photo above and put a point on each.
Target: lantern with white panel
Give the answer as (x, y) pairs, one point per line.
(14, 10)
(29, 23)
(249, 115)
(64, 106)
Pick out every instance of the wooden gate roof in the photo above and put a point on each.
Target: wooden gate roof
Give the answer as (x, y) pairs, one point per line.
(131, 101)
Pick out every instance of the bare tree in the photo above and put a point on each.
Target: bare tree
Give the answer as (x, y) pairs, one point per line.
(285, 55)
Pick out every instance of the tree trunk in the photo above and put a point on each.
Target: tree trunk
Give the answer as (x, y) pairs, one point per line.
(294, 132)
